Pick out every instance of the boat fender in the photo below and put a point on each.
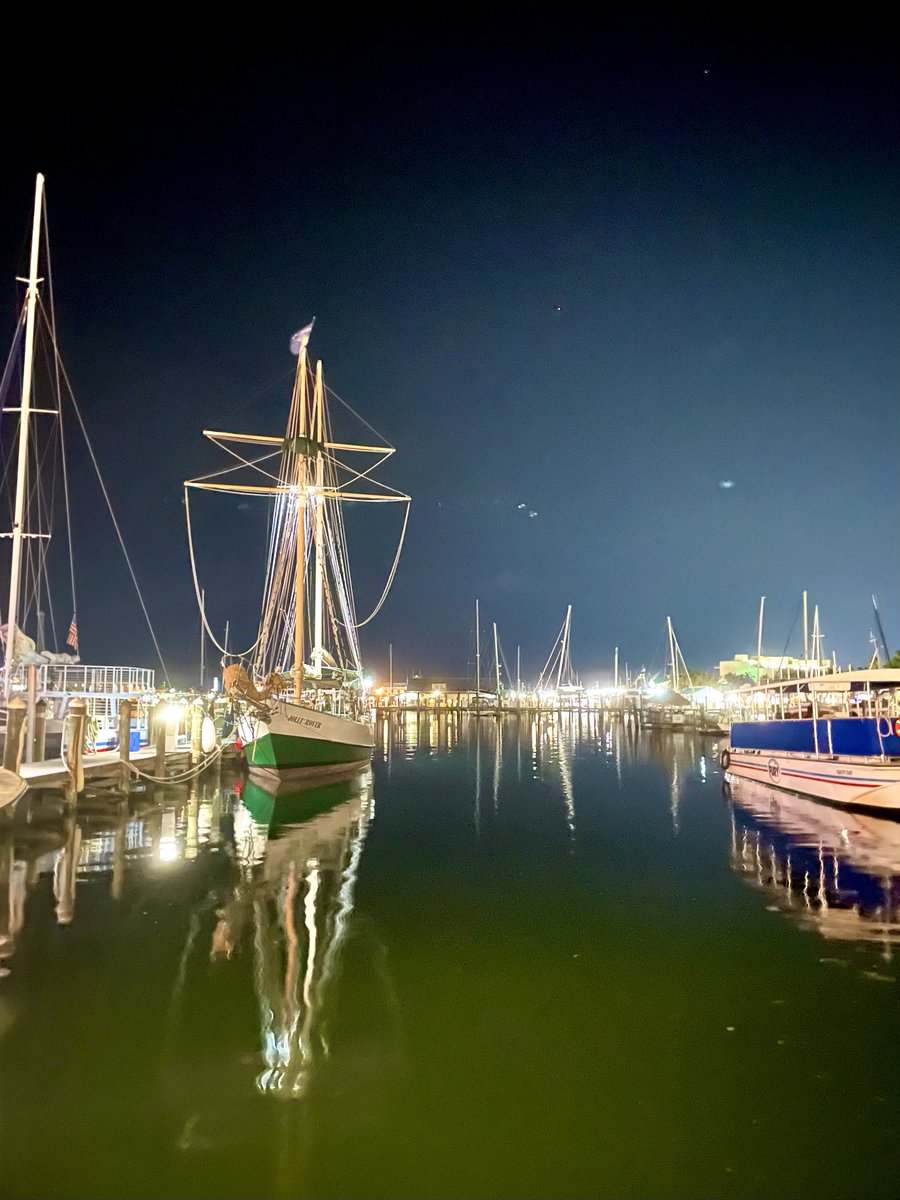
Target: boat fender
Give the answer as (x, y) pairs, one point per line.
(897, 726)
(725, 760)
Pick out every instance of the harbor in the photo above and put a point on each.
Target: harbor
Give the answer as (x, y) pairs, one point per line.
(226, 988)
(449, 653)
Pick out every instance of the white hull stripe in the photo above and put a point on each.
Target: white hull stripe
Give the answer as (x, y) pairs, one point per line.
(839, 780)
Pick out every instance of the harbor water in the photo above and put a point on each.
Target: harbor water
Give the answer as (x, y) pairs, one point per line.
(558, 958)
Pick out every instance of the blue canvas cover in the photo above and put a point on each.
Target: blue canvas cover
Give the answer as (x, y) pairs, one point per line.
(850, 736)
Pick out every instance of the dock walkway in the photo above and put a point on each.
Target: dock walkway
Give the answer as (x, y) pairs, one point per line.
(53, 771)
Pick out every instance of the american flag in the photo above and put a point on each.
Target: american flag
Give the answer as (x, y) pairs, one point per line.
(72, 639)
(301, 337)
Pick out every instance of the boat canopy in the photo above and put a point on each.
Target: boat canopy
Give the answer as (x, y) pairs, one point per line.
(879, 678)
(866, 737)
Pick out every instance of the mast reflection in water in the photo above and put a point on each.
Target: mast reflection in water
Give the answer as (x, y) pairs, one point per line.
(298, 853)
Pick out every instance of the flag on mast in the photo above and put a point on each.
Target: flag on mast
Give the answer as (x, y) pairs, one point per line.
(72, 638)
(301, 337)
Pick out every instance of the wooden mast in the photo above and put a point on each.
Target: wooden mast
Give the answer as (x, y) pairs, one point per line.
(300, 481)
(15, 570)
(319, 525)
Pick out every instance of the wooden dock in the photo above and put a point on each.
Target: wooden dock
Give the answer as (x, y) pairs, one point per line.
(52, 771)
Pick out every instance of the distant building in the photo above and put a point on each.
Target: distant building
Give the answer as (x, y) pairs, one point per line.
(772, 666)
(431, 691)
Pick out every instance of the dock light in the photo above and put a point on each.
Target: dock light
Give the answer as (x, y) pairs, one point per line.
(168, 849)
(172, 713)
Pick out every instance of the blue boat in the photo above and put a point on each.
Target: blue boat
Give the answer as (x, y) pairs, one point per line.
(831, 737)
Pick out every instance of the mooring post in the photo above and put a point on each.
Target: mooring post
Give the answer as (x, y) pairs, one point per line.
(31, 694)
(124, 741)
(158, 725)
(76, 720)
(196, 731)
(40, 730)
(15, 733)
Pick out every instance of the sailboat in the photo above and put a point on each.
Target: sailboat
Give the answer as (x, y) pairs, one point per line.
(295, 715)
(35, 396)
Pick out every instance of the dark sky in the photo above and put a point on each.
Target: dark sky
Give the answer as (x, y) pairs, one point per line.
(595, 269)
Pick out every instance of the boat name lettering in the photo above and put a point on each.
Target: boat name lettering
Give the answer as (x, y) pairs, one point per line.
(305, 721)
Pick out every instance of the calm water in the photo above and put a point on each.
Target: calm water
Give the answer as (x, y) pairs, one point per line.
(548, 961)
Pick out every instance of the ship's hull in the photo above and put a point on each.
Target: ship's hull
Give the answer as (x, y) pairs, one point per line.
(296, 739)
(854, 784)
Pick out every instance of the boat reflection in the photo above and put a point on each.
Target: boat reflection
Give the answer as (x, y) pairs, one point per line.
(298, 852)
(831, 870)
(107, 832)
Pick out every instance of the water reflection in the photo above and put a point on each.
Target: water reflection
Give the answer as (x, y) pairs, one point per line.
(297, 852)
(831, 870)
(152, 828)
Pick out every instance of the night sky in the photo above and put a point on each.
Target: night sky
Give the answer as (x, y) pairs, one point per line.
(595, 270)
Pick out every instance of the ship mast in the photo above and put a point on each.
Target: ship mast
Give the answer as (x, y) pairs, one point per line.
(319, 524)
(672, 658)
(300, 483)
(497, 661)
(15, 570)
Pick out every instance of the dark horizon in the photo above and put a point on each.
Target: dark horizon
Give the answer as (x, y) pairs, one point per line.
(592, 270)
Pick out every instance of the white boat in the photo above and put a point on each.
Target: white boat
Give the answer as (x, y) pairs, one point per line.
(295, 716)
(846, 751)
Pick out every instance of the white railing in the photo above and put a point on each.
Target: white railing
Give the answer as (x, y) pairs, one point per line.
(57, 677)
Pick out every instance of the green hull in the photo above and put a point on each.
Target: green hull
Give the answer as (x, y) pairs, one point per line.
(296, 806)
(285, 752)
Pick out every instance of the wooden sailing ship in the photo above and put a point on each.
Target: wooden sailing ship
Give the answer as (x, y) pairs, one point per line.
(296, 714)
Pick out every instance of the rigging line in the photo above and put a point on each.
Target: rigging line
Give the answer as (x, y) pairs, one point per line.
(350, 408)
(553, 655)
(11, 358)
(65, 470)
(243, 462)
(355, 475)
(387, 587)
(109, 506)
(200, 604)
(787, 640)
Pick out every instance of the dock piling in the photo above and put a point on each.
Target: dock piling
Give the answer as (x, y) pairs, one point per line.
(39, 740)
(15, 734)
(158, 725)
(76, 722)
(124, 740)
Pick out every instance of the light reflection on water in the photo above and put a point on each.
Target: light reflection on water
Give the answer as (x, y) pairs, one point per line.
(825, 868)
(549, 918)
(831, 870)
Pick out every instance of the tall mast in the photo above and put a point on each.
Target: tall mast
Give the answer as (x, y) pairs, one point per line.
(762, 605)
(390, 670)
(15, 569)
(672, 655)
(616, 669)
(564, 648)
(202, 636)
(300, 483)
(805, 634)
(497, 661)
(518, 669)
(477, 655)
(319, 510)
(817, 640)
